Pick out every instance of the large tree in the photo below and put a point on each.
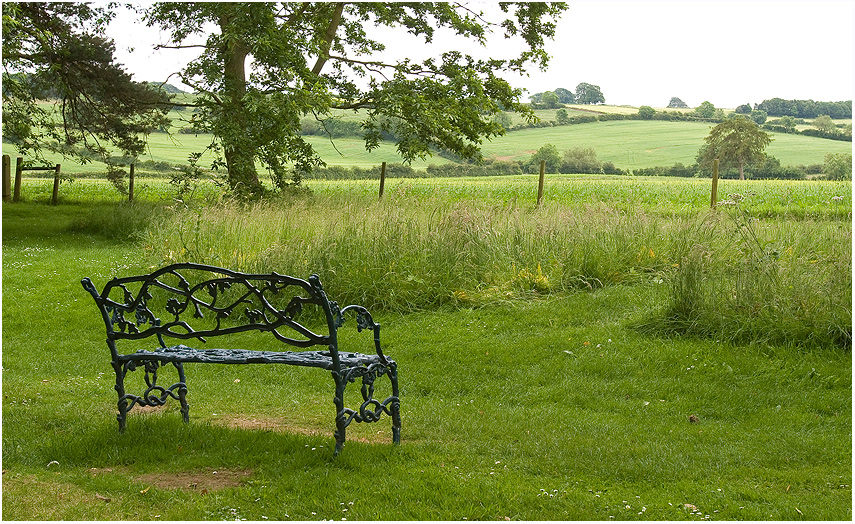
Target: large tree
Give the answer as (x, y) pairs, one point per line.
(589, 94)
(705, 110)
(264, 66)
(735, 142)
(565, 96)
(676, 102)
(63, 90)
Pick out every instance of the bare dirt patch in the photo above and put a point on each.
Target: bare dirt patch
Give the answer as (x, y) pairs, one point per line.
(277, 424)
(208, 479)
(367, 433)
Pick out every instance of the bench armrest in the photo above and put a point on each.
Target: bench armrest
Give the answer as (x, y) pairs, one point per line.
(363, 321)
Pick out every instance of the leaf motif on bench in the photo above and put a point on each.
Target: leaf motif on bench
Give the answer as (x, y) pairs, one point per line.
(273, 286)
(214, 288)
(255, 316)
(117, 319)
(175, 307)
(363, 321)
(293, 309)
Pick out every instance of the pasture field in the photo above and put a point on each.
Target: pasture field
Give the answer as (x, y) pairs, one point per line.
(632, 144)
(621, 353)
(628, 144)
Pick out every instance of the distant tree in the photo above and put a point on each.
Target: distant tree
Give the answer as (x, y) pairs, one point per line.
(825, 124)
(565, 96)
(561, 117)
(735, 142)
(744, 109)
(550, 100)
(646, 113)
(758, 116)
(589, 94)
(676, 102)
(504, 120)
(838, 166)
(549, 154)
(788, 122)
(705, 110)
(57, 50)
(536, 98)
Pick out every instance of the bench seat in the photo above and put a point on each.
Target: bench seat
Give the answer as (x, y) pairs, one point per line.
(317, 359)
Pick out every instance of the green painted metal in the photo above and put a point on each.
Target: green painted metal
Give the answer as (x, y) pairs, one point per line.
(188, 301)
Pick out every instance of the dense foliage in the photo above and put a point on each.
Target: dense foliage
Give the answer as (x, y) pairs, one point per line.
(676, 102)
(56, 50)
(805, 108)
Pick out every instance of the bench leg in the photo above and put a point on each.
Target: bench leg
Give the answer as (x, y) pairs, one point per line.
(395, 407)
(341, 415)
(182, 392)
(122, 415)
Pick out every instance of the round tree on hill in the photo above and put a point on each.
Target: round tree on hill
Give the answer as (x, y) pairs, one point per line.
(589, 94)
(735, 142)
(676, 102)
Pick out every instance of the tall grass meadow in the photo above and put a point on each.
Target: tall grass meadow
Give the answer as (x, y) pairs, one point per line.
(775, 281)
(732, 276)
(412, 256)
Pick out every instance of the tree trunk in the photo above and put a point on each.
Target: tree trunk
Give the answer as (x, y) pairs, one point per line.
(240, 156)
(741, 171)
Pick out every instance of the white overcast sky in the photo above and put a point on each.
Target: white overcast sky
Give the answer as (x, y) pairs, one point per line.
(642, 52)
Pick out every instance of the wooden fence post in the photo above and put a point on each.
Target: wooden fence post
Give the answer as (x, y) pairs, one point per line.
(382, 178)
(7, 178)
(131, 185)
(540, 183)
(54, 199)
(19, 173)
(714, 195)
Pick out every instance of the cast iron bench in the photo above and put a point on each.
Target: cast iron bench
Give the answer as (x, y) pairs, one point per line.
(193, 301)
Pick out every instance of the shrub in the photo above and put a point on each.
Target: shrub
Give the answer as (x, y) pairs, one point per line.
(548, 154)
(838, 166)
(646, 113)
(580, 160)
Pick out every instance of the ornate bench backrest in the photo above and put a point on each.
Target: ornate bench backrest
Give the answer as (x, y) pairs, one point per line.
(194, 301)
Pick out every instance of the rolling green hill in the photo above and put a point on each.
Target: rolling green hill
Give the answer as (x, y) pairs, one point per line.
(628, 144)
(642, 143)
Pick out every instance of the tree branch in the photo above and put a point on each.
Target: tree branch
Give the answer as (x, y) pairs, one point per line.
(188, 46)
(328, 38)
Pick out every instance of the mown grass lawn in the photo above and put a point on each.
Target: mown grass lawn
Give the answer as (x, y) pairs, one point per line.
(551, 408)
